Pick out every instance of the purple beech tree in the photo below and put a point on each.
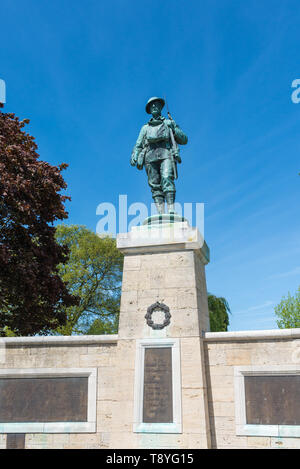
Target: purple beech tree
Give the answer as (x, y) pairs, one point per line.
(32, 295)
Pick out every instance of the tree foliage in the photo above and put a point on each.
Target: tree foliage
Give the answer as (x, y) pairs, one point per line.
(218, 313)
(288, 311)
(93, 273)
(99, 326)
(31, 292)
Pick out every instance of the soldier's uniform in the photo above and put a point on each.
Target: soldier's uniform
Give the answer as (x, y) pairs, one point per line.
(153, 150)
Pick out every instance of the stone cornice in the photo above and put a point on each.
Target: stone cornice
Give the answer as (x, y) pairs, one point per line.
(60, 340)
(281, 334)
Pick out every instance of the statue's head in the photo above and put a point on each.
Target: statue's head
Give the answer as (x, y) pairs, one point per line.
(154, 106)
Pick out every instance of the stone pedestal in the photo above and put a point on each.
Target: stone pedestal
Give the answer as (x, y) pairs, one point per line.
(164, 275)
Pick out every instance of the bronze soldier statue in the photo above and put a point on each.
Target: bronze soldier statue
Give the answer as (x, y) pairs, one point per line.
(156, 149)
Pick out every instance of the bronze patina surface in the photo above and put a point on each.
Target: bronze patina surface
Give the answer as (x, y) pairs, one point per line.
(158, 402)
(43, 399)
(272, 400)
(157, 150)
(15, 441)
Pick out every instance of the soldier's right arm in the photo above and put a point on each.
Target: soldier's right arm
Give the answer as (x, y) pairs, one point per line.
(140, 140)
(139, 145)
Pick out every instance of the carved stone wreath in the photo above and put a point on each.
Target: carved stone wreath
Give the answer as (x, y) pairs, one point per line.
(158, 307)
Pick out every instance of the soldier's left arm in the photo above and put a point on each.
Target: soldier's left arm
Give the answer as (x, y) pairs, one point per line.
(179, 135)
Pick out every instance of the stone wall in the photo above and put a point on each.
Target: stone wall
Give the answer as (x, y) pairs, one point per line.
(68, 352)
(224, 353)
(114, 359)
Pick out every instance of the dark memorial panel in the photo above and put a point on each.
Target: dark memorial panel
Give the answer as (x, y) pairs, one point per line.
(272, 400)
(15, 441)
(158, 402)
(43, 399)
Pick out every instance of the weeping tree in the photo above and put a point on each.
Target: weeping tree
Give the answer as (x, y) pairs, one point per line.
(218, 313)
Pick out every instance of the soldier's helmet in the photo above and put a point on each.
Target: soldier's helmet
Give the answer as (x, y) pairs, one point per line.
(151, 100)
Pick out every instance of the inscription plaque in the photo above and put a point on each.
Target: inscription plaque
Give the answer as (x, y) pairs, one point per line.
(158, 399)
(15, 441)
(43, 399)
(272, 400)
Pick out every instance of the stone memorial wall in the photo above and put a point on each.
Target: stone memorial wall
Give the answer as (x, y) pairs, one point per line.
(164, 381)
(230, 360)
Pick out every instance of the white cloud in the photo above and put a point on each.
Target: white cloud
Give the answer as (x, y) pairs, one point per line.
(261, 307)
(295, 271)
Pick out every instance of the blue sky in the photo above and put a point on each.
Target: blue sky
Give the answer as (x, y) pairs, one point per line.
(82, 72)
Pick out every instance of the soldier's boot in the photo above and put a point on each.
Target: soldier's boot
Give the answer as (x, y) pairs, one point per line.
(170, 199)
(160, 204)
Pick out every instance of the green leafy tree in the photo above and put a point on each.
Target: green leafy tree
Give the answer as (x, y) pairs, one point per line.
(94, 274)
(104, 327)
(218, 313)
(288, 311)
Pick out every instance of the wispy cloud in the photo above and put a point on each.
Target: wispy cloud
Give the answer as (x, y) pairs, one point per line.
(266, 320)
(261, 307)
(295, 271)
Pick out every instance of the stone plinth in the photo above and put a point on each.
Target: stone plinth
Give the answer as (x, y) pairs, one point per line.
(164, 264)
(165, 237)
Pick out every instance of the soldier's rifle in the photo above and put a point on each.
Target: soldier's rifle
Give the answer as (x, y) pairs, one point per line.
(174, 151)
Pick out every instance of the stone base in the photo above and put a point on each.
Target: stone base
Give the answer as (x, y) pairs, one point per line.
(164, 264)
(165, 237)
